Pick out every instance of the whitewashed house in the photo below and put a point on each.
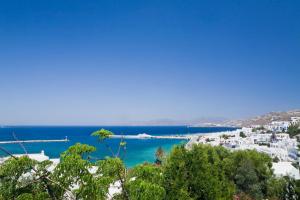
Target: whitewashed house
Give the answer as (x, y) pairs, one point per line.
(278, 126)
(295, 120)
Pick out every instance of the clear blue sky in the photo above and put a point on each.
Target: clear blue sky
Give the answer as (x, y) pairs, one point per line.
(110, 62)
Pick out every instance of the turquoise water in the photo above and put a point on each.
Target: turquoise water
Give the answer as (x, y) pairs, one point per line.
(138, 150)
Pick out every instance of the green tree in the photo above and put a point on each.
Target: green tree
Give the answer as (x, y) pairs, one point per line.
(121, 172)
(247, 181)
(225, 137)
(276, 188)
(102, 134)
(75, 172)
(146, 182)
(290, 189)
(250, 171)
(293, 130)
(13, 181)
(242, 134)
(159, 154)
(276, 159)
(260, 128)
(199, 174)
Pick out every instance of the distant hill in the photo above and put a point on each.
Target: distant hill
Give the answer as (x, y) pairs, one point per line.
(264, 119)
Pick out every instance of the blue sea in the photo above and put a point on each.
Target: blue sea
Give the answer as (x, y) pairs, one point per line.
(138, 150)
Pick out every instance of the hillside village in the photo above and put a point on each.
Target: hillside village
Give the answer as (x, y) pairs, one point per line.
(273, 138)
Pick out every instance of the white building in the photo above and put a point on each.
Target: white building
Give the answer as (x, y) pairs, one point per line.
(34, 156)
(278, 126)
(295, 120)
(285, 169)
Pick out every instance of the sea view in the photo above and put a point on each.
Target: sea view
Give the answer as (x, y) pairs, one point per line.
(149, 100)
(138, 150)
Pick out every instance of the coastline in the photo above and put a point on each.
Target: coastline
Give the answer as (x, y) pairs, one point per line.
(138, 150)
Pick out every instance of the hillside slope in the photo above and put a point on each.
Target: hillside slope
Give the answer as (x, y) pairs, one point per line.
(264, 119)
